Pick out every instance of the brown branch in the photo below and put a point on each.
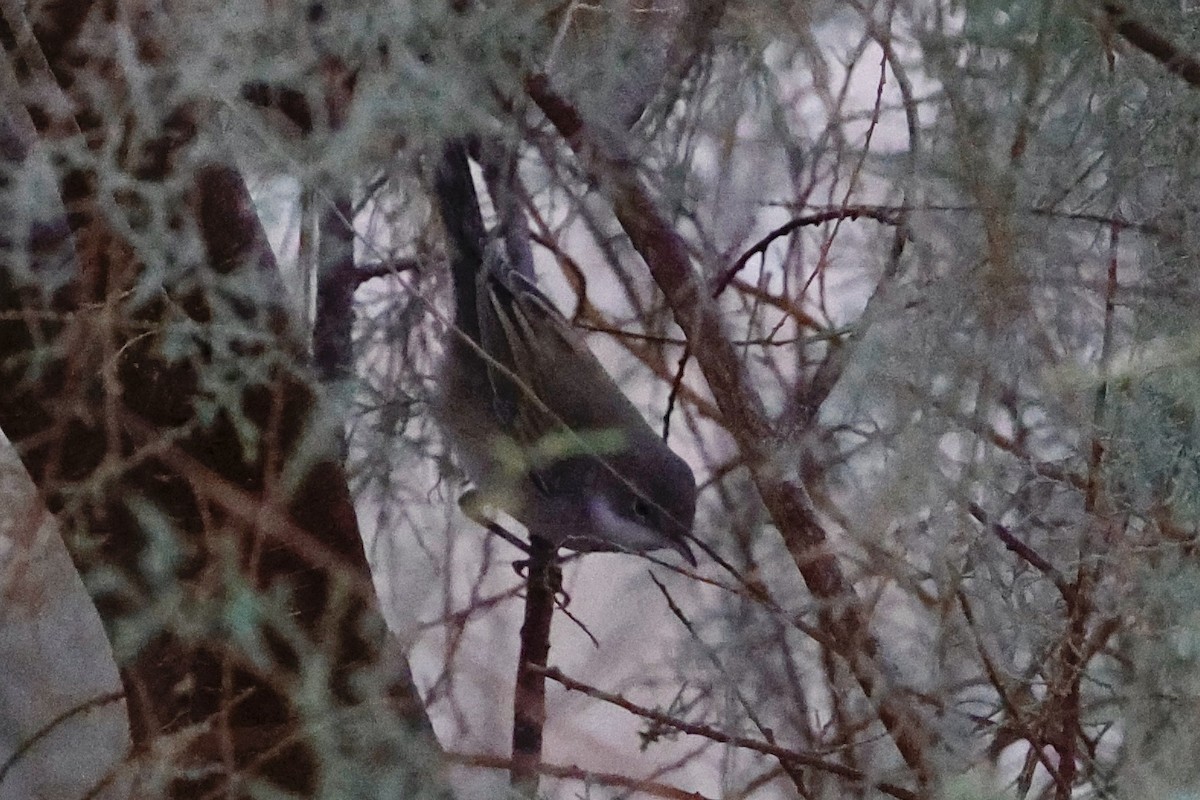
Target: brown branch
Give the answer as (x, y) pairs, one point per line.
(721, 737)
(793, 772)
(1153, 43)
(676, 385)
(787, 305)
(1015, 722)
(382, 269)
(115, 429)
(847, 212)
(529, 699)
(1073, 655)
(1023, 550)
(787, 501)
(1145, 228)
(337, 278)
(1100, 401)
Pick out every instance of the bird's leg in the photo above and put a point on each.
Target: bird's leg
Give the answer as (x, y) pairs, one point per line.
(546, 563)
(473, 507)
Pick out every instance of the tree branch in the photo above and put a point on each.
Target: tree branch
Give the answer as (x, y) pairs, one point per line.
(529, 698)
(1153, 43)
(693, 729)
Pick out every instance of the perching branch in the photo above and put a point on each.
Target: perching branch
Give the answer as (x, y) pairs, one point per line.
(529, 699)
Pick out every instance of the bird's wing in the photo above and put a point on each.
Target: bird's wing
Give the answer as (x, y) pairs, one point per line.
(519, 326)
(550, 392)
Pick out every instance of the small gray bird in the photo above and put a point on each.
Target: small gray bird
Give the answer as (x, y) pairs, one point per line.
(538, 425)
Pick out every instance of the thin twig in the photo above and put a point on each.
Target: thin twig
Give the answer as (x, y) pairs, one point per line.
(887, 217)
(899, 211)
(44, 731)
(1011, 708)
(790, 768)
(745, 742)
(675, 386)
(1023, 550)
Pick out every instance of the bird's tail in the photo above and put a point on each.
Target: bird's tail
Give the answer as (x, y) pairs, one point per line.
(458, 206)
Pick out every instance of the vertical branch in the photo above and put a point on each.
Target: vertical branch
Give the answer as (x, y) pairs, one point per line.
(1072, 665)
(306, 256)
(336, 279)
(336, 282)
(1096, 457)
(465, 233)
(1073, 658)
(529, 699)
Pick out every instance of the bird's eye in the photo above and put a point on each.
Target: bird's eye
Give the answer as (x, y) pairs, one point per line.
(641, 508)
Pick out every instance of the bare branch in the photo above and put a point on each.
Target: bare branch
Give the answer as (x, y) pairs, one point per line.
(1156, 45)
(708, 732)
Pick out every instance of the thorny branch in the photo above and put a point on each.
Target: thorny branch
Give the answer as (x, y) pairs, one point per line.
(783, 754)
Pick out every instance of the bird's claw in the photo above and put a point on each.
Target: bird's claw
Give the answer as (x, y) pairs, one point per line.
(553, 578)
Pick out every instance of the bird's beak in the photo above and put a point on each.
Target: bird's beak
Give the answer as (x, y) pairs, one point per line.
(680, 546)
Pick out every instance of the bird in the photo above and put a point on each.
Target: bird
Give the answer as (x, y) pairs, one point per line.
(538, 425)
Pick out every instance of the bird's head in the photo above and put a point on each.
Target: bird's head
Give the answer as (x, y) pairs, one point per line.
(616, 505)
